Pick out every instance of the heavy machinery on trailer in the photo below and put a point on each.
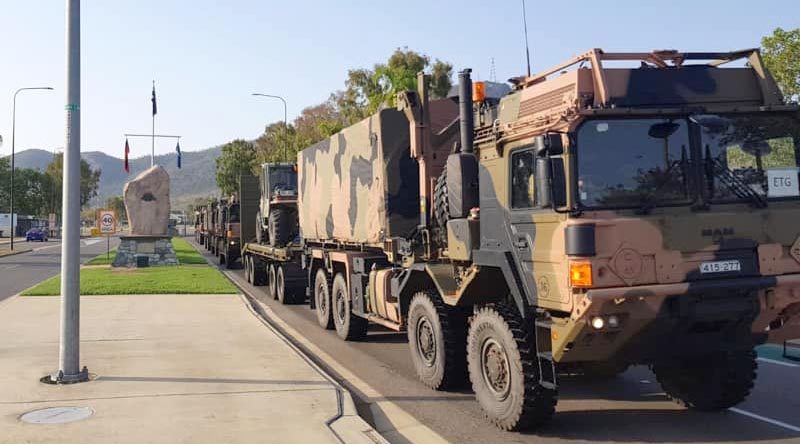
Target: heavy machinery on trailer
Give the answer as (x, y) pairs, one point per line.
(597, 217)
(277, 215)
(274, 193)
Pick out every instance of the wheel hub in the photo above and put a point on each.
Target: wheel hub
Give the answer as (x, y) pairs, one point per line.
(426, 343)
(495, 368)
(322, 303)
(340, 305)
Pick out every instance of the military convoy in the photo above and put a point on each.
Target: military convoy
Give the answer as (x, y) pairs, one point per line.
(220, 230)
(593, 218)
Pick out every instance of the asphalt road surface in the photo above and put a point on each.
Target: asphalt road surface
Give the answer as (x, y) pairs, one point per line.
(630, 408)
(24, 270)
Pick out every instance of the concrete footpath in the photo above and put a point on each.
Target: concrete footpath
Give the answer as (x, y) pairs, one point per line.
(168, 368)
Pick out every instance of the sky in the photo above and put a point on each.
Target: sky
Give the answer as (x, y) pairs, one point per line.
(207, 57)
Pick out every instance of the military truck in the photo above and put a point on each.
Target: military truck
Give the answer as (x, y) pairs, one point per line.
(593, 218)
(226, 242)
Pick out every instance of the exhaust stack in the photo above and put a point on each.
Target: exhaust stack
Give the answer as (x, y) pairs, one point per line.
(465, 110)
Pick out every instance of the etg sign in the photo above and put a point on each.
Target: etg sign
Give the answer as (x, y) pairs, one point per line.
(107, 221)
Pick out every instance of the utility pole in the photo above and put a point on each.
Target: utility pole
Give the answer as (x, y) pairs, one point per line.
(69, 370)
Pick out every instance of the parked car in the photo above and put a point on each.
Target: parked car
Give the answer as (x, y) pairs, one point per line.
(36, 234)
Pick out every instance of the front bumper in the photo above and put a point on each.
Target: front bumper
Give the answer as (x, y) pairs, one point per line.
(681, 318)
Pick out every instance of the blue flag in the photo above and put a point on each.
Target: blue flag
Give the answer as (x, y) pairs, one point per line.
(178, 150)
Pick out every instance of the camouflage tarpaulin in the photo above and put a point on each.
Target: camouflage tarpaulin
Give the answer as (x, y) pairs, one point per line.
(360, 185)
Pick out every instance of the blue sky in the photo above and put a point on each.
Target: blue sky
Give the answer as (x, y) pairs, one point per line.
(208, 56)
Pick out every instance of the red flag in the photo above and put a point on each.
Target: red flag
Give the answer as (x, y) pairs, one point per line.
(127, 150)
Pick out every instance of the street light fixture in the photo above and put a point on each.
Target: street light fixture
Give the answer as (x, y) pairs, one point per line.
(13, 141)
(285, 121)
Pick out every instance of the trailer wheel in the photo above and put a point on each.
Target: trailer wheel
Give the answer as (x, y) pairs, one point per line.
(348, 326)
(246, 265)
(280, 286)
(272, 288)
(436, 338)
(322, 299)
(258, 271)
(708, 382)
(504, 371)
(280, 226)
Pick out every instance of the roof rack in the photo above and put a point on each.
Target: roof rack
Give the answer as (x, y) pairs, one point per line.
(659, 59)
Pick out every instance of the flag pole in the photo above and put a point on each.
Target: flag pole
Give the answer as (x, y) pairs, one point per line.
(153, 134)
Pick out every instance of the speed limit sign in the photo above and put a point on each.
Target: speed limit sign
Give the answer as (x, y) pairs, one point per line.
(107, 221)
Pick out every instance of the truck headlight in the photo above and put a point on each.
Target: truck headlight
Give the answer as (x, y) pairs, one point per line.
(598, 323)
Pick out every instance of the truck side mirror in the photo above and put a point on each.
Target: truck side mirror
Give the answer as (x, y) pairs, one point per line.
(549, 144)
(544, 192)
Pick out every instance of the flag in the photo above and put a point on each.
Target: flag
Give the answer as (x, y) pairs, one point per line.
(155, 109)
(178, 150)
(127, 150)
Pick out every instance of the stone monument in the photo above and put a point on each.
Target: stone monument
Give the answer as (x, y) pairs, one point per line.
(147, 204)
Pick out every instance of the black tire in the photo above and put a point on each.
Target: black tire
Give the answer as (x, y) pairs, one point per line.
(280, 286)
(229, 264)
(260, 238)
(714, 381)
(281, 226)
(441, 201)
(504, 371)
(259, 271)
(348, 326)
(272, 289)
(246, 265)
(436, 339)
(322, 299)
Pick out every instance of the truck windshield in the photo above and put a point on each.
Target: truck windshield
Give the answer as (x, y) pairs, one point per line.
(283, 179)
(750, 157)
(633, 162)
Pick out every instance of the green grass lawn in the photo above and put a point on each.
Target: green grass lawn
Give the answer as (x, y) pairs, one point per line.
(186, 254)
(194, 275)
(183, 279)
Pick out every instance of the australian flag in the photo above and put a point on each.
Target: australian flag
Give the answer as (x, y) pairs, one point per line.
(178, 150)
(155, 109)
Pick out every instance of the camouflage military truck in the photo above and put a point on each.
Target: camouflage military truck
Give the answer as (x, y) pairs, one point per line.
(199, 235)
(226, 238)
(593, 218)
(277, 217)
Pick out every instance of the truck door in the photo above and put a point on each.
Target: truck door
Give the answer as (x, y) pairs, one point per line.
(534, 234)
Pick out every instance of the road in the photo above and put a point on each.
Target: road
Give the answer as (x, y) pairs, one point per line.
(24, 270)
(630, 408)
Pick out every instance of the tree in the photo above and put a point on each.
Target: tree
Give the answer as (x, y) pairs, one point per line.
(369, 90)
(781, 52)
(117, 203)
(90, 180)
(238, 158)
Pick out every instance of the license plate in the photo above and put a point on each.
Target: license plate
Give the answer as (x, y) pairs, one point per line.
(720, 267)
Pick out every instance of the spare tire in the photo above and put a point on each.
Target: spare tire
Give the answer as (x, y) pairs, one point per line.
(441, 202)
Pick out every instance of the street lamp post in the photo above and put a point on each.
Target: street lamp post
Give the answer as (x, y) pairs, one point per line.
(13, 141)
(285, 122)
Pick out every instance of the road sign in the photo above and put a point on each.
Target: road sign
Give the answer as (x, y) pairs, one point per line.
(107, 221)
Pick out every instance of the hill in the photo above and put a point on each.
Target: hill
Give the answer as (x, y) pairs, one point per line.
(195, 179)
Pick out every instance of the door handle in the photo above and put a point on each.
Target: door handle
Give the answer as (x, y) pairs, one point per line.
(521, 243)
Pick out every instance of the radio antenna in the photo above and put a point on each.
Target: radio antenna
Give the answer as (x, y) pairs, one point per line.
(527, 49)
